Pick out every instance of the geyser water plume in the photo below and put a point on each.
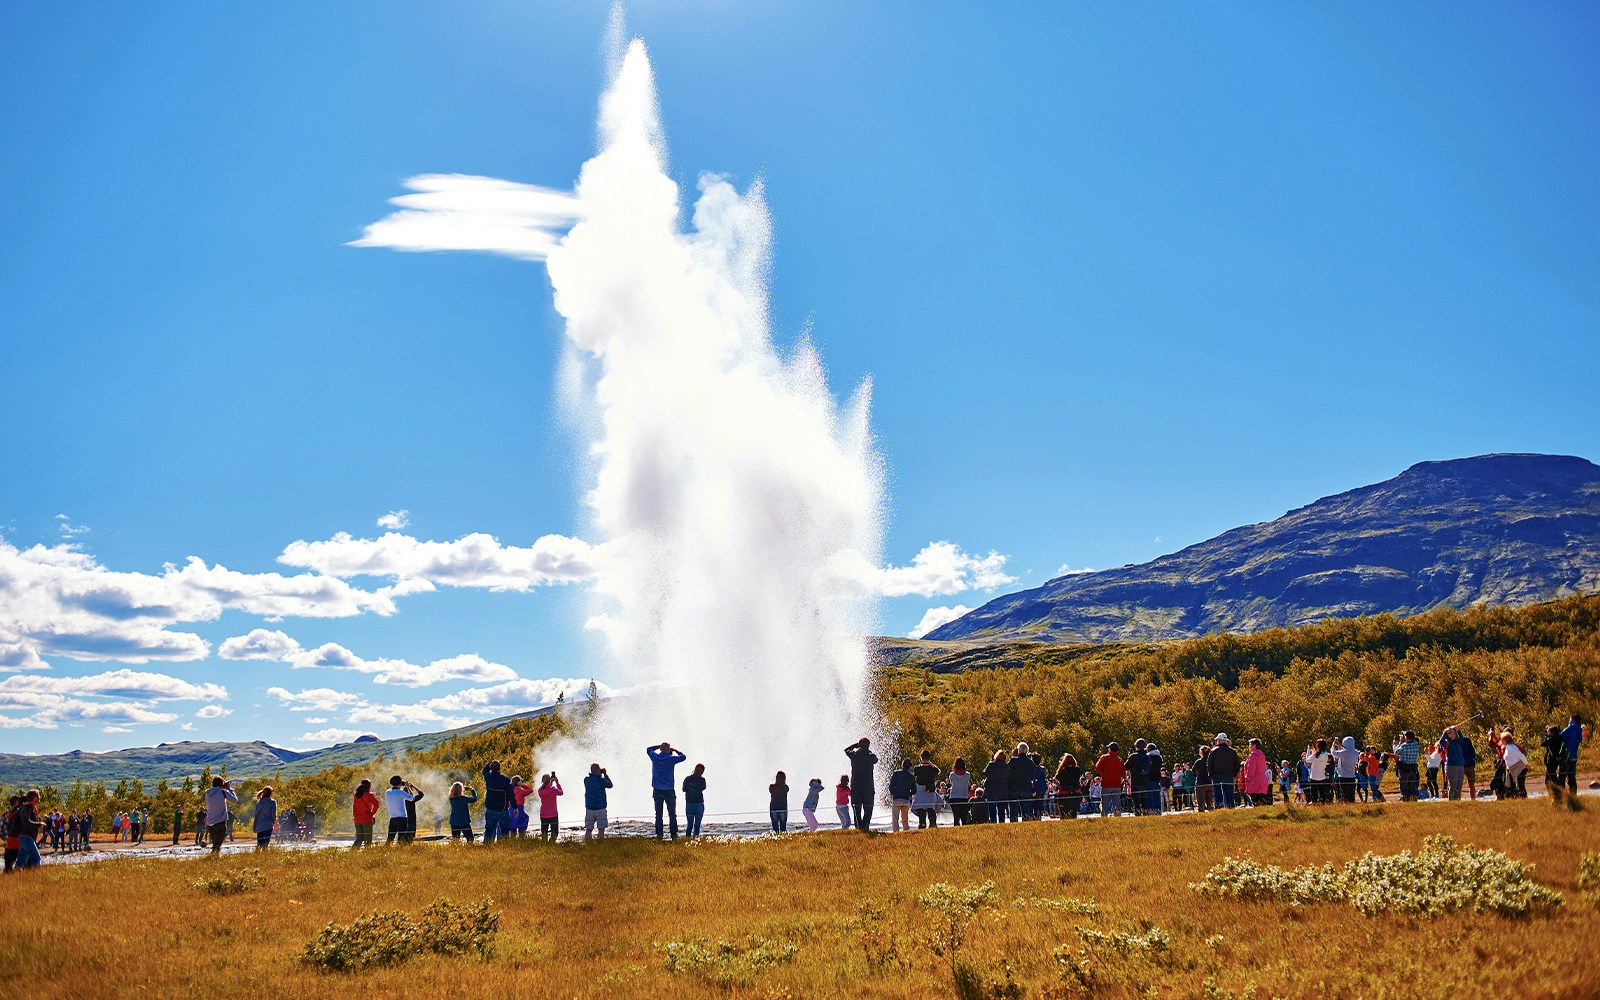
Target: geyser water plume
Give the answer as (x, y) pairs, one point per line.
(737, 504)
(731, 492)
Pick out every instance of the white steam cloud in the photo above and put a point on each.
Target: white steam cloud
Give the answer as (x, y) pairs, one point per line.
(731, 490)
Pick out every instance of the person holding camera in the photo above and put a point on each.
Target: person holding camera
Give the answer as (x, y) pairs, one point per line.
(595, 784)
(549, 815)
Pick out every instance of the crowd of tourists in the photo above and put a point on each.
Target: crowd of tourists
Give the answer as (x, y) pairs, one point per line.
(1012, 786)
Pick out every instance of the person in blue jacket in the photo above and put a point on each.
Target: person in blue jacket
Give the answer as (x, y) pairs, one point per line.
(1572, 736)
(496, 803)
(595, 784)
(664, 760)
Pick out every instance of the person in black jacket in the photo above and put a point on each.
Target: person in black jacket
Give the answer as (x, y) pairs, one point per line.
(862, 762)
(1019, 783)
(1153, 766)
(1069, 786)
(902, 786)
(1223, 762)
(996, 782)
(1139, 777)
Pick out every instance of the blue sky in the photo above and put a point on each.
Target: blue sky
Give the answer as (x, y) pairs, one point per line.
(1122, 279)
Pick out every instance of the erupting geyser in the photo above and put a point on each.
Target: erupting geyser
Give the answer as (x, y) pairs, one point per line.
(734, 501)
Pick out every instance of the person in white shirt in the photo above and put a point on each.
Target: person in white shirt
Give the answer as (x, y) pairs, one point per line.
(217, 798)
(400, 794)
(1516, 766)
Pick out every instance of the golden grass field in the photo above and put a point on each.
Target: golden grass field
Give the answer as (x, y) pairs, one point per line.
(593, 920)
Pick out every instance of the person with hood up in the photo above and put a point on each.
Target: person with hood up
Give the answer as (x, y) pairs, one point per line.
(808, 808)
(1257, 774)
(1223, 762)
(1111, 770)
(1347, 758)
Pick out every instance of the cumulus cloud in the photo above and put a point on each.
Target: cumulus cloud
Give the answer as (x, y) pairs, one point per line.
(464, 212)
(115, 683)
(213, 712)
(940, 569)
(115, 729)
(50, 701)
(935, 617)
(261, 644)
(58, 600)
(474, 704)
(333, 735)
(395, 519)
(475, 560)
(314, 699)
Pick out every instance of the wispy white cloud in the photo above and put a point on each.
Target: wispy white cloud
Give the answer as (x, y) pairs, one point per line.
(50, 701)
(213, 712)
(332, 735)
(465, 212)
(940, 569)
(262, 644)
(58, 600)
(314, 699)
(1067, 570)
(475, 560)
(935, 617)
(395, 519)
(475, 704)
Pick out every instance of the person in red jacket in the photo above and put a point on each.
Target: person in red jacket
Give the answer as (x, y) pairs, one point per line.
(1111, 770)
(364, 809)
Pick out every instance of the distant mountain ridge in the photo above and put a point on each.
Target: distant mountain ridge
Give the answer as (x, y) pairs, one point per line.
(255, 759)
(1495, 529)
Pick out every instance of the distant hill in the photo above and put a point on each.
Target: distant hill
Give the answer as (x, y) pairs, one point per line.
(1496, 529)
(175, 761)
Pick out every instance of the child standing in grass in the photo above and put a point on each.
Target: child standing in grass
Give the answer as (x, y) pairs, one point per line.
(809, 808)
(841, 801)
(461, 799)
(549, 815)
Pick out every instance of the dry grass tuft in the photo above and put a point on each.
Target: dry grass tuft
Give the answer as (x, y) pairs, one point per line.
(836, 914)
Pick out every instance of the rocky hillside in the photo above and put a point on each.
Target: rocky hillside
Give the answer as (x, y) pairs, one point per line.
(1496, 529)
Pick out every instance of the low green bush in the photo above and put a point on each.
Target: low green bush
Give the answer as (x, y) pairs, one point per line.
(389, 937)
(228, 883)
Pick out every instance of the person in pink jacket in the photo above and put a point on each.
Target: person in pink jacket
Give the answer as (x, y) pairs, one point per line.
(1257, 775)
(549, 823)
